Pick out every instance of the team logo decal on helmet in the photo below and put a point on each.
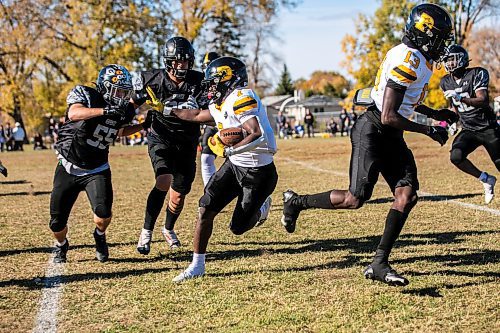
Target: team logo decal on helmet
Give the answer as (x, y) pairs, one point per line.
(430, 28)
(114, 83)
(222, 76)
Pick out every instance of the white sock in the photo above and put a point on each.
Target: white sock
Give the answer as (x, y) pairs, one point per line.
(198, 260)
(62, 243)
(99, 232)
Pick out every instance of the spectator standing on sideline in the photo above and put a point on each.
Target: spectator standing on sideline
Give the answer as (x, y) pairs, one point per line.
(309, 121)
(344, 122)
(18, 134)
(8, 136)
(280, 124)
(2, 138)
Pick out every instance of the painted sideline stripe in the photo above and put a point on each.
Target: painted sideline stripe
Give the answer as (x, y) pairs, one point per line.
(424, 194)
(46, 319)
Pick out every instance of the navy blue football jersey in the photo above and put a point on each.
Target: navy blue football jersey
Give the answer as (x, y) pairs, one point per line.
(85, 143)
(475, 78)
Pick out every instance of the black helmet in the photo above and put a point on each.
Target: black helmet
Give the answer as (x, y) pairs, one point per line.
(208, 58)
(222, 76)
(178, 48)
(456, 57)
(114, 83)
(430, 28)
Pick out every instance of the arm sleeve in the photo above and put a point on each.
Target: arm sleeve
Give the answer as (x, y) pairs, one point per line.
(481, 79)
(78, 95)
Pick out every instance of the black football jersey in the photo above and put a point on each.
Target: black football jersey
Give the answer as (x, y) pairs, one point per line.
(85, 143)
(472, 118)
(167, 91)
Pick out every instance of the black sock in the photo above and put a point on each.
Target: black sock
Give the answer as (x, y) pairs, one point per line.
(393, 226)
(170, 219)
(318, 200)
(154, 204)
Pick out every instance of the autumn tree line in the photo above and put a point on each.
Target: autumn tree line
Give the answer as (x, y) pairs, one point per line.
(48, 46)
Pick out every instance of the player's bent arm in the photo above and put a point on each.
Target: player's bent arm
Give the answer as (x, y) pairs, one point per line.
(254, 138)
(130, 129)
(391, 103)
(480, 101)
(193, 115)
(79, 112)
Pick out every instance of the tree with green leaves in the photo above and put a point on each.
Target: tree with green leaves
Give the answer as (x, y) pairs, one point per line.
(285, 85)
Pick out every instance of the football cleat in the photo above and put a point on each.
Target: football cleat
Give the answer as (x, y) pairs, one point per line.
(290, 211)
(101, 247)
(60, 253)
(3, 170)
(189, 273)
(144, 243)
(264, 212)
(384, 273)
(489, 188)
(171, 238)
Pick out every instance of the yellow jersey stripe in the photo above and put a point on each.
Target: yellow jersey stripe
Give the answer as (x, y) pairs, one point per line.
(400, 77)
(407, 71)
(245, 108)
(243, 101)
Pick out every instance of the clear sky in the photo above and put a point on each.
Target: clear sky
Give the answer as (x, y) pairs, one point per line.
(311, 33)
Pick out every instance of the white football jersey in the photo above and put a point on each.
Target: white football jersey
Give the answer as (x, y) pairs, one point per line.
(408, 67)
(238, 107)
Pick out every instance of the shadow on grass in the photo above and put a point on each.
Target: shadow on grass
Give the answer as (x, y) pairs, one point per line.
(16, 194)
(14, 182)
(360, 250)
(432, 198)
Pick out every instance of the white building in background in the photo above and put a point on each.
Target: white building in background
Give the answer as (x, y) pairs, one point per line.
(322, 108)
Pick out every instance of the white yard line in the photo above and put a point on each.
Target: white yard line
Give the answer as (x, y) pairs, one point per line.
(423, 194)
(46, 319)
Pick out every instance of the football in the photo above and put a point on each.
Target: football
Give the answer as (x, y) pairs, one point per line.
(231, 136)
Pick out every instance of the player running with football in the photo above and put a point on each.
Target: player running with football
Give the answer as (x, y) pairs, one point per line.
(248, 173)
(94, 118)
(172, 142)
(467, 90)
(377, 139)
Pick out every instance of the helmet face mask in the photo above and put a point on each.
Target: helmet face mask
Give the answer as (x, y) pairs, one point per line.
(456, 58)
(178, 49)
(430, 28)
(114, 83)
(222, 77)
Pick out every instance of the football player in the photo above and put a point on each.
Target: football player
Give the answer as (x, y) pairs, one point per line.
(377, 139)
(172, 142)
(467, 90)
(94, 118)
(3, 170)
(207, 155)
(248, 173)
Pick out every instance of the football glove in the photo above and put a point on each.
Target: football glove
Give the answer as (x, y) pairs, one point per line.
(189, 104)
(452, 129)
(3, 170)
(113, 110)
(216, 145)
(438, 133)
(452, 94)
(446, 115)
(155, 103)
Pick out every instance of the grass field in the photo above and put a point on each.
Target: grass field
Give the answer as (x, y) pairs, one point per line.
(266, 280)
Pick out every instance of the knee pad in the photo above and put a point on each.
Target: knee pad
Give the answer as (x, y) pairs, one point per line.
(456, 156)
(102, 211)
(57, 224)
